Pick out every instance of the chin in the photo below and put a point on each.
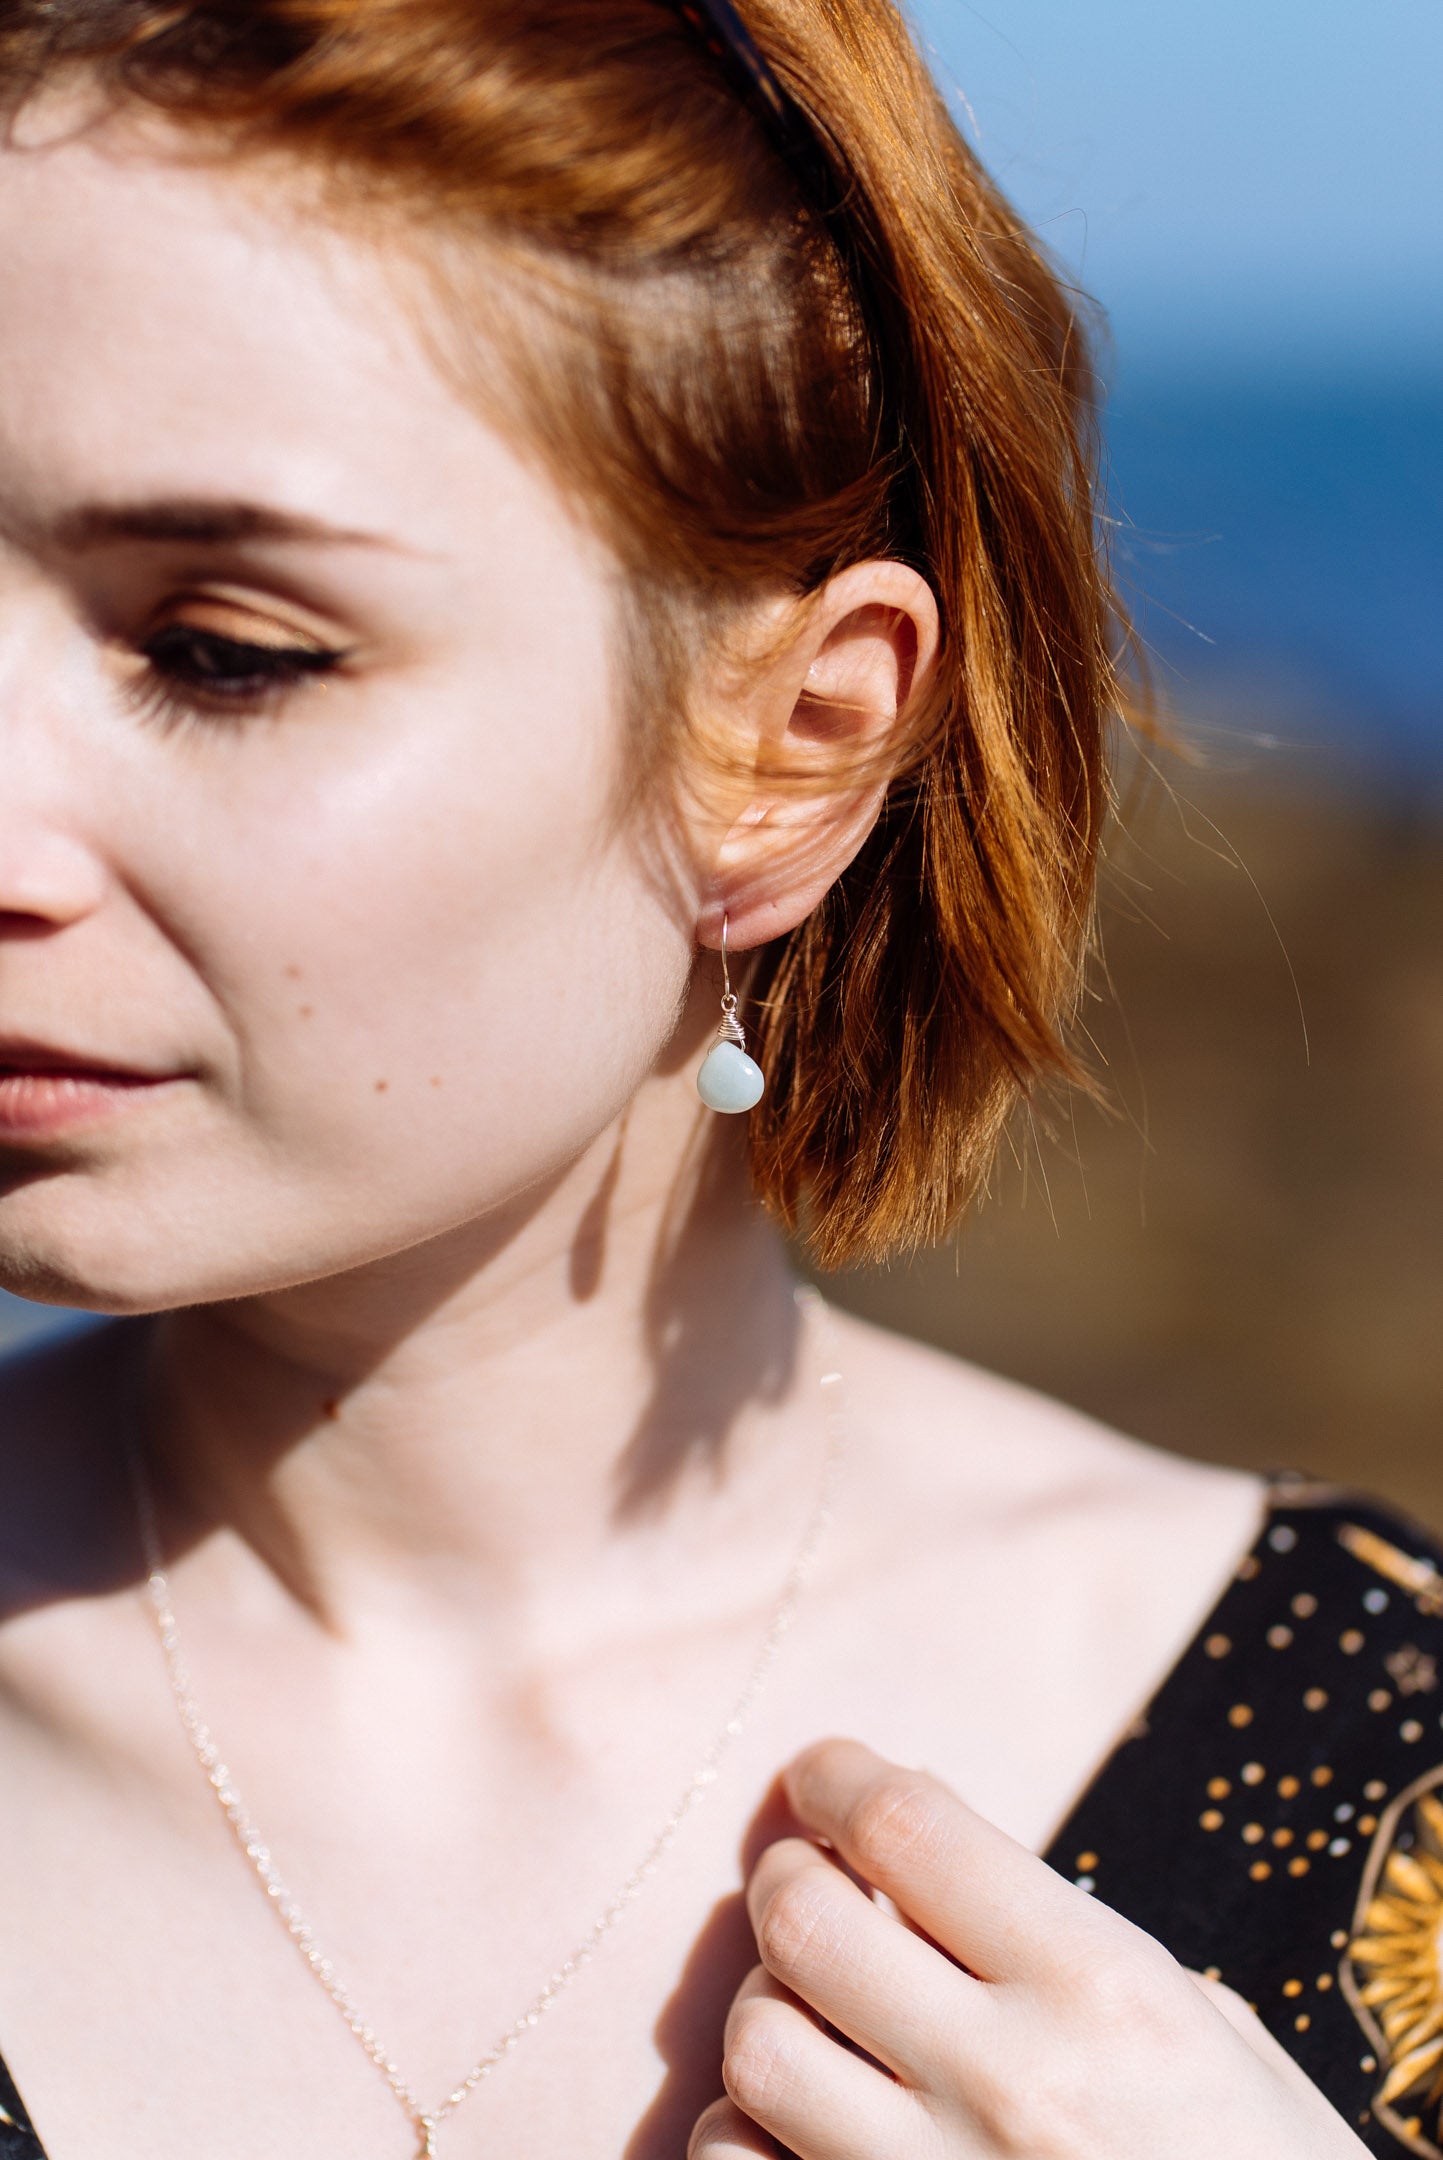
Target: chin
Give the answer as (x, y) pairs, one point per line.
(66, 1240)
(65, 1281)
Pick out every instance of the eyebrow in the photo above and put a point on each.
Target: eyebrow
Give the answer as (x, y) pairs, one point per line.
(200, 523)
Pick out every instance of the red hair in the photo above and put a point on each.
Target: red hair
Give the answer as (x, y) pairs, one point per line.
(751, 388)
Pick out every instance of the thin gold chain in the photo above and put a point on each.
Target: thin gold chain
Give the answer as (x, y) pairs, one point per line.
(427, 2121)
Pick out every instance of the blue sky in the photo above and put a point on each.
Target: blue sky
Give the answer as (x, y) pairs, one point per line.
(1249, 177)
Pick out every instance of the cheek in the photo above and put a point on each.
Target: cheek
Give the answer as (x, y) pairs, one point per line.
(450, 940)
(494, 965)
(435, 974)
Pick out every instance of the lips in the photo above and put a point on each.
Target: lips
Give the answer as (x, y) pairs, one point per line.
(45, 1089)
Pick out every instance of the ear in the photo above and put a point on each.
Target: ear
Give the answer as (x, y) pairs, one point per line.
(840, 693)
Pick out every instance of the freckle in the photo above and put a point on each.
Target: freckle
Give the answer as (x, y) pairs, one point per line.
(435, 1080)
(293, 973)
(381, 1086)
(305, 1011)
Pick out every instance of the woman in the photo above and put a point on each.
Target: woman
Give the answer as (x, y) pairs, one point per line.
(501, 504)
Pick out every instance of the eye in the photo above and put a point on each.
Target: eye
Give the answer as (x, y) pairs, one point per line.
(193, 668)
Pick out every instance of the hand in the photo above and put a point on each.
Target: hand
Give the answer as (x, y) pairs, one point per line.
(1060, 2032)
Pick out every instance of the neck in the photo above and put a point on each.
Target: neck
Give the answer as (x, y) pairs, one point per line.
(523, 1415)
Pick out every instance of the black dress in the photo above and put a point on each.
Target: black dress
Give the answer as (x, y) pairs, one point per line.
(1275, 1817)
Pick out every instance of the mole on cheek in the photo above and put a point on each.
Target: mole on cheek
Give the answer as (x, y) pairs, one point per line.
(435, 1080)
(293, 973)
(382, 1086)
(305, 1011)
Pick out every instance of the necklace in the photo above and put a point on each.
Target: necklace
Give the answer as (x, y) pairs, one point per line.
(427, 2121)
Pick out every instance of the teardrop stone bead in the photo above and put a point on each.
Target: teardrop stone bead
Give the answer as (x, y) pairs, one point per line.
(729, 1080)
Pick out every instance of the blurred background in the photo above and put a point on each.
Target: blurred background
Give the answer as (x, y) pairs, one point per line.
(1241, 1255)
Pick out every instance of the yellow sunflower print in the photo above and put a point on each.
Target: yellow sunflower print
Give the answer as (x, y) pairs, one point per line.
(1392, 1970)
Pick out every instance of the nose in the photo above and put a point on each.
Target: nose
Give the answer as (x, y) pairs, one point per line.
(47, 879)
(50, 873)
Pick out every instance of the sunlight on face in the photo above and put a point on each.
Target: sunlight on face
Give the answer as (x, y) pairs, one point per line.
(309, 728)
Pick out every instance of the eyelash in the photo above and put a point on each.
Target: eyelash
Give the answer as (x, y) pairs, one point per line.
(196, 673)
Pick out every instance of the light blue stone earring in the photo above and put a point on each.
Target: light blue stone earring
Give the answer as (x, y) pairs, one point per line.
(729, 1080)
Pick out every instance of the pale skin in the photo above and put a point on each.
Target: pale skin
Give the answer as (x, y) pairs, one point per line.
(468, 1580)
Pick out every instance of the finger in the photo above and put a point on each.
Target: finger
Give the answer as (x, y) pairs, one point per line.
(724, 2133)
(814, 2097)
(1246, 2022)
(1240, 2015)
(883, 1986)
(988, 1901)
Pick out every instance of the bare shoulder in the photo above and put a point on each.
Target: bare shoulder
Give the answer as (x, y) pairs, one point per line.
(1034, 1556)
(938, 1429)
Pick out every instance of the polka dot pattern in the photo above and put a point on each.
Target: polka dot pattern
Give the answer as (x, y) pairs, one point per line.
(1250, 1814)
